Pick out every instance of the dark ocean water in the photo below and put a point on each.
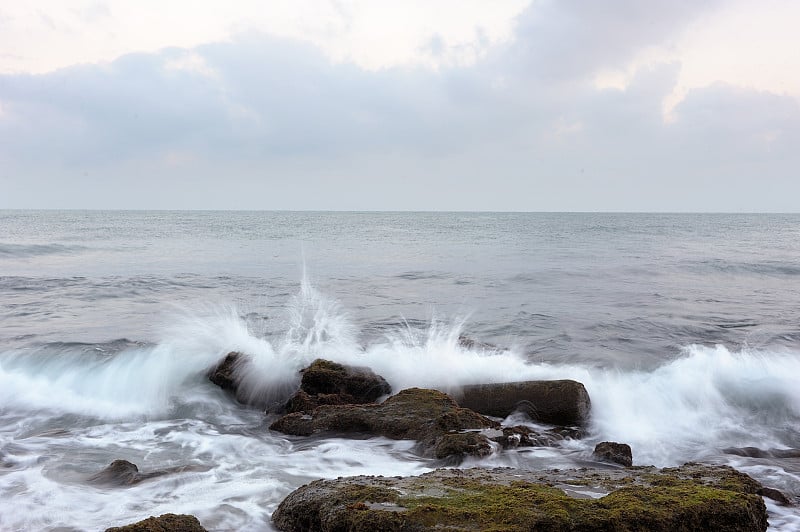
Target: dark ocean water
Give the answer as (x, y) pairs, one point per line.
(685, 329)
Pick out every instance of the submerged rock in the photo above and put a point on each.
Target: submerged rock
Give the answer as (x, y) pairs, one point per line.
(329, 383)
(611, 451)
(124, 473)
(414, 414)
(163, 523)
(755, 452)
(559, 402)
(689, 498)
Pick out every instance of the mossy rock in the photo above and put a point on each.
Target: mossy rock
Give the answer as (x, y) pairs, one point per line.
(163, 523)
(694, 498)
(418, 414)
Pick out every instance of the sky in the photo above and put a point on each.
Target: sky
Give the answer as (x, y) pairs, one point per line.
(509, 105)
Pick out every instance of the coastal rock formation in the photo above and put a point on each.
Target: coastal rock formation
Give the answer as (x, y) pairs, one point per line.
(559, 402)
(693, 497)
(328, 383)
(415, 414)
(163, 523)
(611, 451)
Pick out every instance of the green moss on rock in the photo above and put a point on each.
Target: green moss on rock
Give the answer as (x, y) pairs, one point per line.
(719, 500)
(163, 523)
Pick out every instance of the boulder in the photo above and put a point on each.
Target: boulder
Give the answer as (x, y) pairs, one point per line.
(225, 375)
(559, 402)
(163, 523)
(414, 414)
(329, 383)
(617, 453)
(693, 497)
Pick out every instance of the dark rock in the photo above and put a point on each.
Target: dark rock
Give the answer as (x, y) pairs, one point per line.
(775, 495)
(329, 383)
(224, 373)
(689, 498)
(755, 452)
(413, 414)
(522, 436)
(163, 523)
(227, 376)
(460, 444)
(561, 402)
(119, 473)
(469, 343)
(124, 473)
(617, 453)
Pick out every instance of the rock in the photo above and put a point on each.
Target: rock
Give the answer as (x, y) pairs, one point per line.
(755, 452)
(775, 495)
(561, 402)
(469, 343)
(617, 453)
(163, 523)
(414, 414)
(226, 376)
(693, 497)
(119, 473)
(124, 473)
(460, 444)
(329, 383)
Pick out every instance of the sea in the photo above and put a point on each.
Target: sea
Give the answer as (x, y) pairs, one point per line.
(684, 328)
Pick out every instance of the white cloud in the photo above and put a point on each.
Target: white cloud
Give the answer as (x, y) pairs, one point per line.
(51, 34)
(257, 121)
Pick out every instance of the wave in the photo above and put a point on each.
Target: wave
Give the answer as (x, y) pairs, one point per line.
(704, 399)
(37, 250)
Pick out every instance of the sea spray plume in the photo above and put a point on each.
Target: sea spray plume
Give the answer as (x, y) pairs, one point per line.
(317, 327)
(434, 357)
(204, 337)
(708, 398)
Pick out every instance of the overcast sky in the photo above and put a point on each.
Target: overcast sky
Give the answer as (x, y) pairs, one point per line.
(543, 105)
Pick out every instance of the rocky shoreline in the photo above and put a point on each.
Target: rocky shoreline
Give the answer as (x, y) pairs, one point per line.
(346, 401)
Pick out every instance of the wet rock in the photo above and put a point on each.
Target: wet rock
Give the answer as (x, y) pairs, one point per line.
(522, 436)
(469, 343)
(163, 523)
(617, 453)
(775, 495)
(118, 473)
(560, 402)
(755, 452)
(226, 375)
(414, 414)
(329, 383)
(123, 473)
(460, 444)
(693, 497)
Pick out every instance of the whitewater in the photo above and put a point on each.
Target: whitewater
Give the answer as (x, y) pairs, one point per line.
(683, 328)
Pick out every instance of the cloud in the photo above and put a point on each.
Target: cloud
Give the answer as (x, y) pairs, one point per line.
(266, 122)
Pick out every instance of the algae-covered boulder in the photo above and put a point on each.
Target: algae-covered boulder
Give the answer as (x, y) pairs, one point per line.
(690, 498)
(558, 402)
(163, 523)
(329, 383)
(413, 414)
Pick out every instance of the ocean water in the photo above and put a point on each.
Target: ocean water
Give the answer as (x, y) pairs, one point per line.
(684, 328)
